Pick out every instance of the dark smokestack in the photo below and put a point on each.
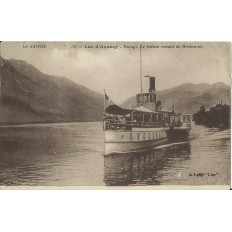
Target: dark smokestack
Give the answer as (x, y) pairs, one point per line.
(152, 84)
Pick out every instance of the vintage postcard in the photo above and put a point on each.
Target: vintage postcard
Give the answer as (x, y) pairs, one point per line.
(115, 115)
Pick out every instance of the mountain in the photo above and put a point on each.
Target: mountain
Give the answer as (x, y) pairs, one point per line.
(189, 97)
(28, 95)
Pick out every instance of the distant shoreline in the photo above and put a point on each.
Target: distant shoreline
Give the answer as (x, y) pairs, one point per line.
(40, 123)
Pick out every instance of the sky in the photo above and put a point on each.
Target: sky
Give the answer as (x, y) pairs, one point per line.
(117, 69)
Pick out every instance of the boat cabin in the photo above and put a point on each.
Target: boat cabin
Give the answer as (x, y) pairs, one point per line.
(121, 118)
(185, 118)
(178, 120)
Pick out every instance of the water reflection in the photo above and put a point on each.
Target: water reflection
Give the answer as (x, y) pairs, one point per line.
(143, 168)
(48, 155)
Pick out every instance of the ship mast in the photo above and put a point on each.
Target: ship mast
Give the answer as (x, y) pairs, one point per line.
(141, 81)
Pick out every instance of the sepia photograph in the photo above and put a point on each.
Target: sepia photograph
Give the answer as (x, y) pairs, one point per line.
(115, 115)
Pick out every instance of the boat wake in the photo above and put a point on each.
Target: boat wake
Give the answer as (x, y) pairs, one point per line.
(152, 148)
(127, 152)
(174, 143)
(170, 145)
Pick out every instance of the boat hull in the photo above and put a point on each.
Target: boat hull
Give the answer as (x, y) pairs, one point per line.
(121, 147)
(135, 140)
(178, 133)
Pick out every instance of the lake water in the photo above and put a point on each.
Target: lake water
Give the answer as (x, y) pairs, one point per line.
(72, 154)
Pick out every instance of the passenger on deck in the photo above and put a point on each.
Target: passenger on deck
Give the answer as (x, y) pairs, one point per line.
(179, 123)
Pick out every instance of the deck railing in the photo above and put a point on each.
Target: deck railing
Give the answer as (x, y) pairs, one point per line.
(111, 124)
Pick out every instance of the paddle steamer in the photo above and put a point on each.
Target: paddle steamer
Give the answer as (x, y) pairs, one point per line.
(141, 127)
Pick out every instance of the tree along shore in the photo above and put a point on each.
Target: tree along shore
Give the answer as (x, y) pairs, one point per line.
(217, 116)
